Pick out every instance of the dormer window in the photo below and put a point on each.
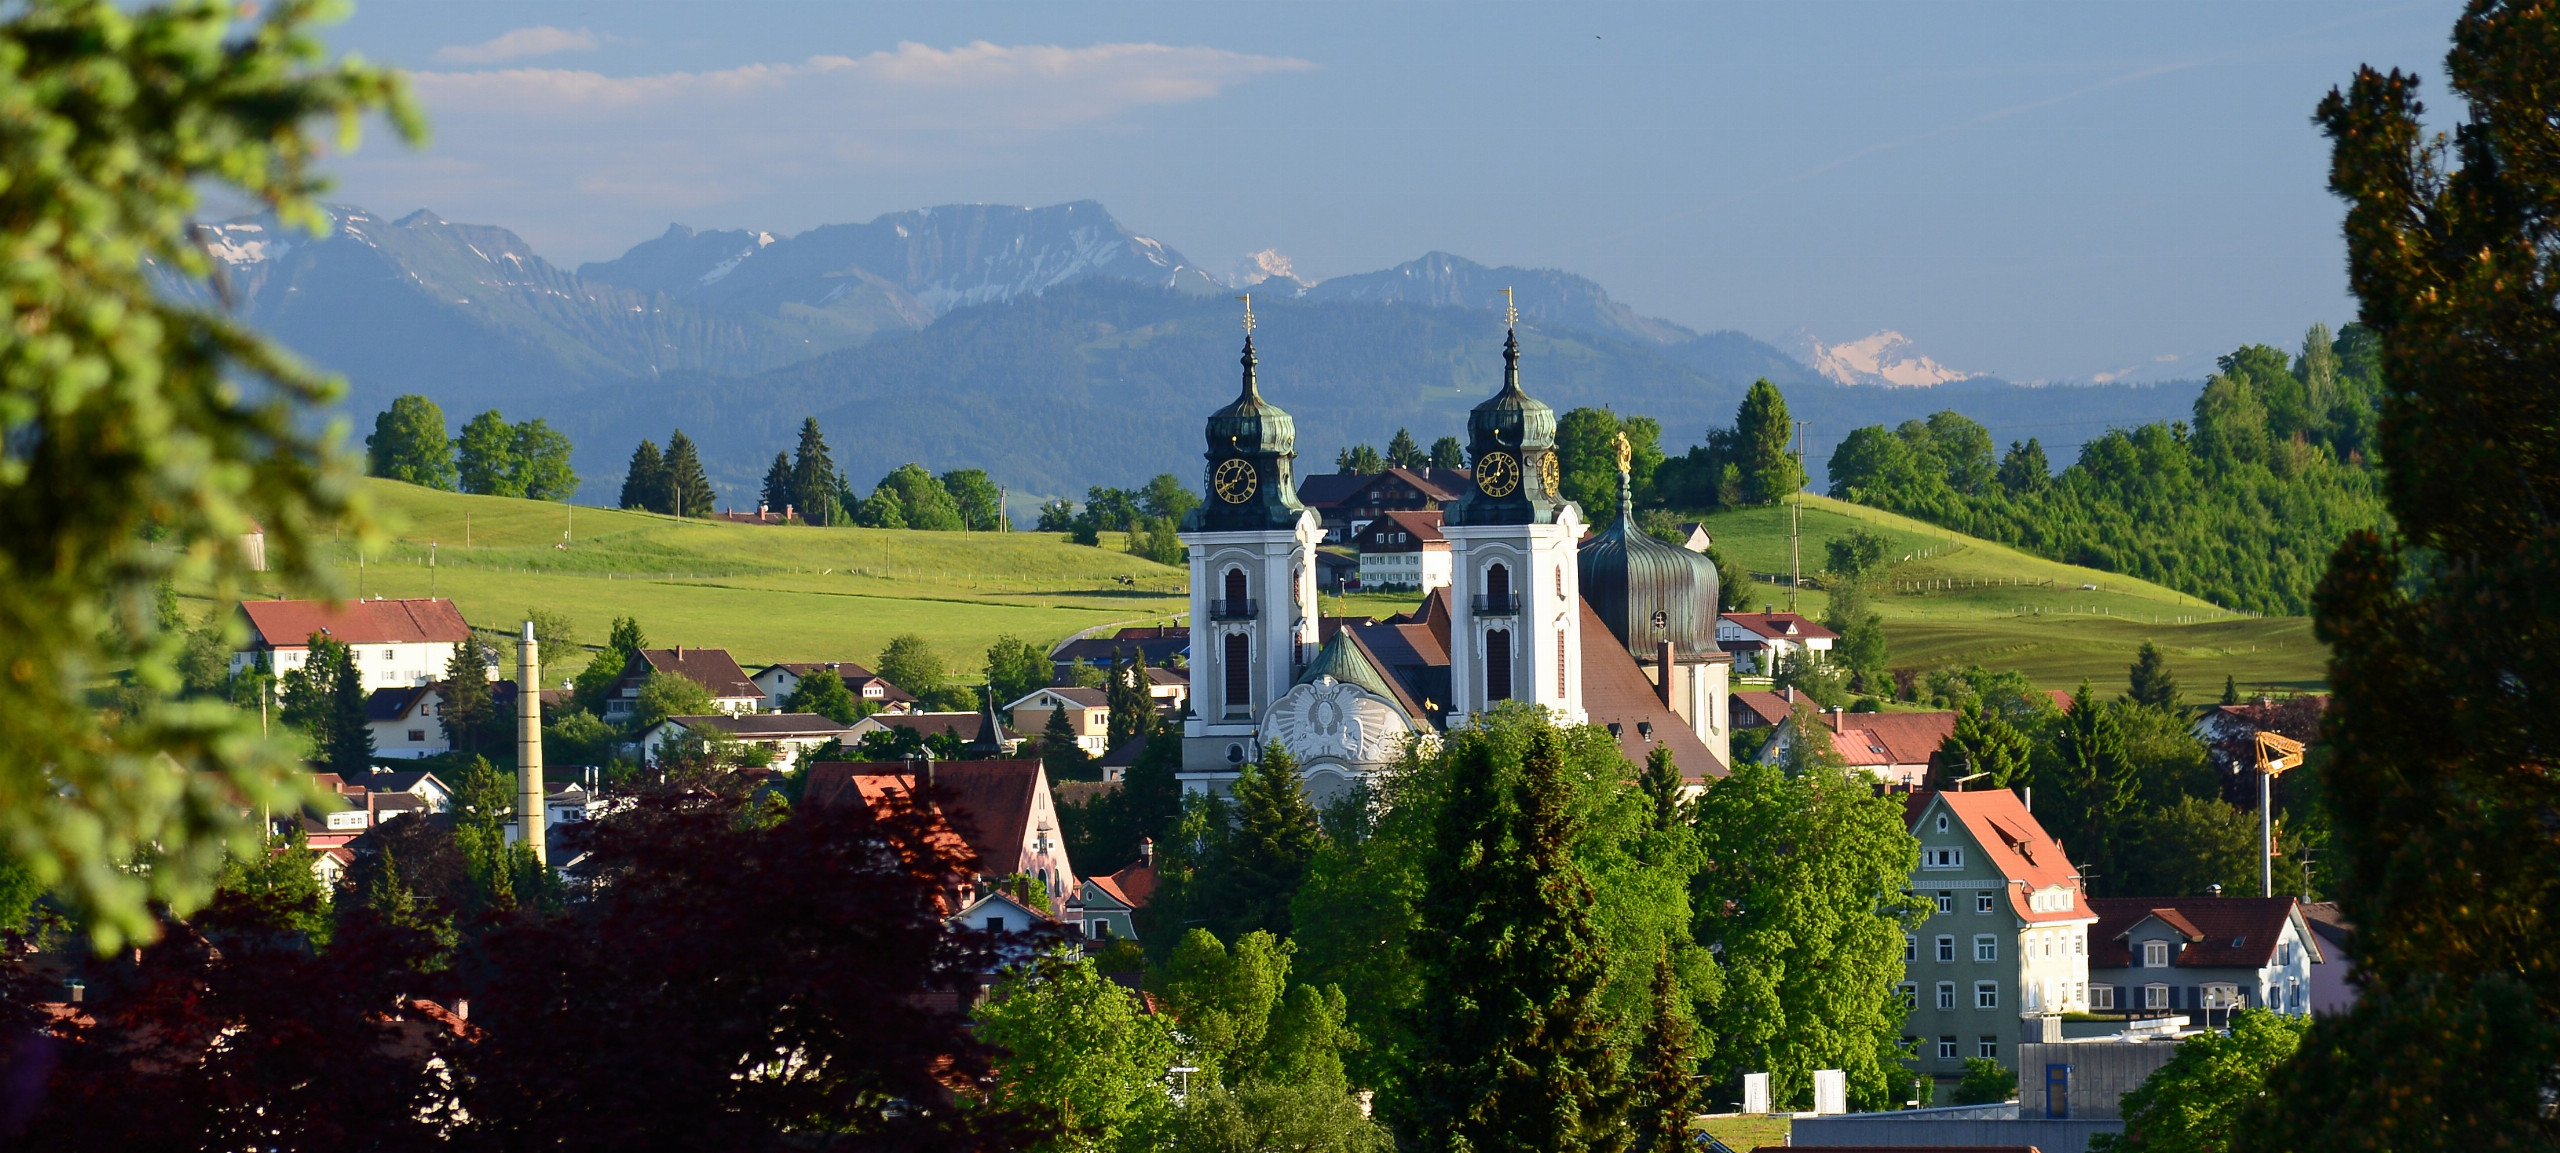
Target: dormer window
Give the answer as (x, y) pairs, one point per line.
(2155, 954)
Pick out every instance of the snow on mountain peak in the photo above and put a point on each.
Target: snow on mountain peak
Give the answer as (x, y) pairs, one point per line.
(1253, 268)
(1884, 357)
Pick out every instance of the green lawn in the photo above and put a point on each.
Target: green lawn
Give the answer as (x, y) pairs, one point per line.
(1953, 599)
(765, 593)
(1743, 1133)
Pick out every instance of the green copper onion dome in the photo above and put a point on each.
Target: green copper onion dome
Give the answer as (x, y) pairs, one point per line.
(1628, 576)
(1511, 451)
(1246, 484)
(1250, 424)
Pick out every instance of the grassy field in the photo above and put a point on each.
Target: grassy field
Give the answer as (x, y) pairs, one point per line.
(766, 593)
(1953, 599)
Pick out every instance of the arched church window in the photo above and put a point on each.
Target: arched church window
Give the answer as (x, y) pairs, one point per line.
(1497, 662)
(1559, 582)
(1239, 669)
(1497, 587)
(1236, 593)
(1560, 662)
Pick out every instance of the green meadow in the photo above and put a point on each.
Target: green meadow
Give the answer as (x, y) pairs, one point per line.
(1953, 599)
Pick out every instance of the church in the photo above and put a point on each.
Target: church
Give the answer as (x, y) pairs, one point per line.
(1610, 628)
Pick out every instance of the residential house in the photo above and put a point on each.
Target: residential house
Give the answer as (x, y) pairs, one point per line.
(732, 691)
(1695, 537)
(1115, 764)
(1170, 688)
(788, 734)
(1088, 714)
(1760, 713)
(1761, 641)
(2201, 955)
(1895, 747)
(425, 786)
(394, 642)
(2333, 987)
(407, 720)
(777, 683)
(1349, 501)
(971, 728)
(1017, 932)
(1160, 643)
(1111, 901)
(2006, 938)
(1001, 811)
(1403, 551)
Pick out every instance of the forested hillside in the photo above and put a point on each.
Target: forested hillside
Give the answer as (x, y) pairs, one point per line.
(2241, 506)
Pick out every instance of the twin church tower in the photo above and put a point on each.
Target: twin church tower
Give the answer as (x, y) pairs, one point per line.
(1344, 696)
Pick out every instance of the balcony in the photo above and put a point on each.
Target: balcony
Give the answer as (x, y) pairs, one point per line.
(1504, 605)
(1225, 609)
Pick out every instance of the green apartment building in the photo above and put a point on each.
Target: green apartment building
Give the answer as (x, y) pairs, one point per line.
(2006, 941)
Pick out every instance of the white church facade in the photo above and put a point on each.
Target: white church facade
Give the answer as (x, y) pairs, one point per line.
(1609, 628)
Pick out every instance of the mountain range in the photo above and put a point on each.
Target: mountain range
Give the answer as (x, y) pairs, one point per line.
(1053, 346)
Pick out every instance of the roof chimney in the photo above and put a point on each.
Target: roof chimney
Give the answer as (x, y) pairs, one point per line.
(1791, 694)
(1663, 654)
(2213, 890)
(1147, 851)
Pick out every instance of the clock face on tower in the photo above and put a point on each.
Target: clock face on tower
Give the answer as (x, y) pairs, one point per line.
(1497, 474)
(1235, 481)
(1547, 472)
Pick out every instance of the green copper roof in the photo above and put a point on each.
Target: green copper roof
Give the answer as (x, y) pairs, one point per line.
(1344, 661)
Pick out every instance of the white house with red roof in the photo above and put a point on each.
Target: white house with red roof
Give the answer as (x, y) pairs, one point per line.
(2006, 940)
(1403, 549)
(1894, 747)
(2202, 955)
(1760, 641)
(779, 681)
(396, 643)
(732, 691)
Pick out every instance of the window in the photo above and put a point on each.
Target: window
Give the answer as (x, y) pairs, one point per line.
(1946, 994)
(1946, 901)
(2284, 953)
(1497, 662)
(1986, 947)
(1934, 858)
(995, 924)
(1946, 1048)
(1239, 670)
(1237, 593)
(1910, 994)
(1987, 1048)
(1910, 947)
(1560, 673)
(387, 654)
(2047, 942)
(1982, 901)
(1497, 585)
(1986, 994)
(1946, 949)
(417, 736)
(1942, 822)
(2155, 996)
(2102, 996)
(2155, 954)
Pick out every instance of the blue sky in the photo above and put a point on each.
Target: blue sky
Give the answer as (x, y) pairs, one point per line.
(2041, 192)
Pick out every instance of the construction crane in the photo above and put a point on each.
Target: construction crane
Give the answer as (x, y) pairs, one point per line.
(2276, 753)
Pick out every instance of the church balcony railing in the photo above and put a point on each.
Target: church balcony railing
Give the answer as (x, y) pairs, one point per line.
(1497, 606)
(1224, 609)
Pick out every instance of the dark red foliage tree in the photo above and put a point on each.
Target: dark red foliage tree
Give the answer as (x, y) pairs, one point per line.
(732, 979)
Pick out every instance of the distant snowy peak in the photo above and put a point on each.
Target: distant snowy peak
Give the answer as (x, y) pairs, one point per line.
(1885, 358)
(1259, 268)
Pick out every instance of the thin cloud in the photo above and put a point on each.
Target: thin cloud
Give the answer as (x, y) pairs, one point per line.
(520, 44)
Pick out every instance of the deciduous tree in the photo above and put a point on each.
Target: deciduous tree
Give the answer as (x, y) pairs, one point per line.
(1763, 432)
(409, 444)
(485, 456)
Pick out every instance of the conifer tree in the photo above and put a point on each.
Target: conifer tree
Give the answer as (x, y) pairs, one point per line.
(815, 483)
(1983, 742)
(325, 698)
(2230, 690)
(1133, 707)
(2444, 628)
(777, 486)
(1770, 470)
(1446, 452)
(1402, 452)
(1059, 752)
(1661, 782)
(2092, 786)
(469, 708)
(2153, 685)
(688, 488)
(1665, 1070)
(1265, 855)
(644, 483)
(1511, 1043)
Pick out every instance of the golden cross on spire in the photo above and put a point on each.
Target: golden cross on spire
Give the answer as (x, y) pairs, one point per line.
(1510, 310)
(1247, 298)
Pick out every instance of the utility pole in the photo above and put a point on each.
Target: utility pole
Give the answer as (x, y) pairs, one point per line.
(1795, 527)
(431, 570)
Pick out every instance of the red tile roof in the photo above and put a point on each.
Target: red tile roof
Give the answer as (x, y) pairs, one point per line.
(713, 669)
(2018, 847)
(987, 804)
(1763, 708)
(1782, 626)
(1874, 739)
(963, 725)
(1132, 886)
(1422, 524)
(290, 624)
(1615, 690)
(2221, 932)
